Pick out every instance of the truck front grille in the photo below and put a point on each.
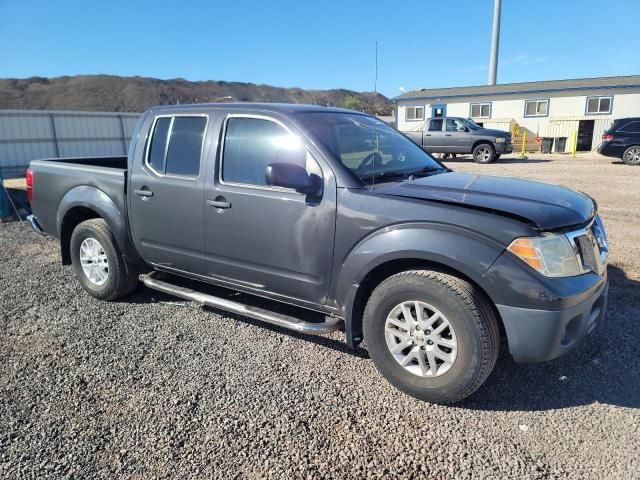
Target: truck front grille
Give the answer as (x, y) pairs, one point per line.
(591, 248)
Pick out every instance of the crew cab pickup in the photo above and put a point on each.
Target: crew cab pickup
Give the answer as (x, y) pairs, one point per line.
(343, 217)
(452, 135)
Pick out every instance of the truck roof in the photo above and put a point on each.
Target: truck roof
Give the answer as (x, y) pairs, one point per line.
(286, 108)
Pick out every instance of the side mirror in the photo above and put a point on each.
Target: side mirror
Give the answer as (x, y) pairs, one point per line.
(291, 175)
(463, 129)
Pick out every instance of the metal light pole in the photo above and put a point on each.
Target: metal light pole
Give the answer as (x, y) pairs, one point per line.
(495, 43)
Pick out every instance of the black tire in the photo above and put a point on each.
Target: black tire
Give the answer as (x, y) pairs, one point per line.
(484, 153)
(121, 279)
(468, 312)
(631, 155)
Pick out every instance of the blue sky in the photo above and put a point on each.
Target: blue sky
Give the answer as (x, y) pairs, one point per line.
(327, 44)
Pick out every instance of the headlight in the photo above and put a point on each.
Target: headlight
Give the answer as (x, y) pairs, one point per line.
(552, 254)
(500, 140)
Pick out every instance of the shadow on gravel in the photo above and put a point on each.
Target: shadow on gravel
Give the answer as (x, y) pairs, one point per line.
(605, 368)
(145, 295)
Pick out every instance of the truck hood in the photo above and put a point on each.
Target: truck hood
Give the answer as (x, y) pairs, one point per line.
(490, 132)
(548, 207)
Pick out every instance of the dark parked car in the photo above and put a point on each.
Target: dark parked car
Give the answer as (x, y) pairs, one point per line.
(335, 212)
(454, 135)
(622, 140)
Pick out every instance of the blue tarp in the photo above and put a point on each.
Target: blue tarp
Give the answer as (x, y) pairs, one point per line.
(5, 206)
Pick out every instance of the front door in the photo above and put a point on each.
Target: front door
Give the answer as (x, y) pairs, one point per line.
(585, 135)
(456, 136)
(439, 110)
(268, 238)
(167, 190)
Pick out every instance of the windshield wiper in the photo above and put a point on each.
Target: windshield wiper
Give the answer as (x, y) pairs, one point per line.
(425, 170)
(393, 174)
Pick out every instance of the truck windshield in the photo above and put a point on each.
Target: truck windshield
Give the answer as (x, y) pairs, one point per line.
(368, 147)
(471, 124)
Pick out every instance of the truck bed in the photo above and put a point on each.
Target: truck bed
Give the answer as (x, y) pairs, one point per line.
(54, 178)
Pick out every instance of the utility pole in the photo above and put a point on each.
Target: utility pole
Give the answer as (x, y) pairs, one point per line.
(495, 43)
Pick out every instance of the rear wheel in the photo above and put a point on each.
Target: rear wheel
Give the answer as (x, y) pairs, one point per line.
(98, 262)
(484, 153)
(631, 155)
(432, 335)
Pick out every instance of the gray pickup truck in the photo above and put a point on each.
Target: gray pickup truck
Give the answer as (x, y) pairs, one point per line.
(335, 213)
(453, 135)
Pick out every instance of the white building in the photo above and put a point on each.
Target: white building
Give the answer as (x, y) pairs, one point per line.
(555, 108)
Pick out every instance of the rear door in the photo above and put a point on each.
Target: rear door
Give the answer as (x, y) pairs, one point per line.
(166, 197)
(433, 135)
(266, 238)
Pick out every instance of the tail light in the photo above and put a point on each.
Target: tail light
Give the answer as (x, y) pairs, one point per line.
(29, 185)
(607, 136)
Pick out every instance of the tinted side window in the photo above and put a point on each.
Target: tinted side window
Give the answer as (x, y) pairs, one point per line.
(185, 146)
(632, 127)
(251, 144)
(159, 143)
(454, 125)
(435, 125)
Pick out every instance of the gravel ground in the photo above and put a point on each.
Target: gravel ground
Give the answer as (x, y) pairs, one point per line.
(153, 387)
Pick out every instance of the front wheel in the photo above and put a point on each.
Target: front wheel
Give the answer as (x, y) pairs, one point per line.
(631, 155)
(484, 153)
(98, 262)
(431, 335)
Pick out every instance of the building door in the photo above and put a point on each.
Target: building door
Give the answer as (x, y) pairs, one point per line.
(438, 110)
(585, 135)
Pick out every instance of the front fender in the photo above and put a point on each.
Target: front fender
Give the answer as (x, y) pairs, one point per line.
(98, 201)
(459, 249)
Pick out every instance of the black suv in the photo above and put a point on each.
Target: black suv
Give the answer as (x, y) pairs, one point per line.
(622, 140)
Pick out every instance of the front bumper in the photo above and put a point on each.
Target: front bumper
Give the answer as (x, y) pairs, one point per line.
(540, 335)
(503, 148)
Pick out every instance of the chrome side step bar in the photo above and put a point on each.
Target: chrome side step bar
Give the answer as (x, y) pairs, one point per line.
(323, 328)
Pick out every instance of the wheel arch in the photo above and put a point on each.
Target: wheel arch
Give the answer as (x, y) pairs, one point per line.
(454, 250)
(480, 142)
(83, 203)
(361, 294)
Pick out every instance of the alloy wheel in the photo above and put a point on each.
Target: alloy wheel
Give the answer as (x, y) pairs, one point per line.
(94, 262)
(421, 339)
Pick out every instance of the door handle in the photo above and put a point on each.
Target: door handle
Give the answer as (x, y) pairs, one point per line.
(447, 134)
(219, 203)
(427, 134)
(144, 193)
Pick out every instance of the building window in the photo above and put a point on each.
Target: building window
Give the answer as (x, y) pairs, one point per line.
(414, 113)
(480, 110)
(536, 108)
(598, 105)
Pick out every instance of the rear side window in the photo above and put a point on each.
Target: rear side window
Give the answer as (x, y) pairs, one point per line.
(176, 145)
(435, 125)
(185, 146)
(159, 144)
(631, 127)
(251, 144)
